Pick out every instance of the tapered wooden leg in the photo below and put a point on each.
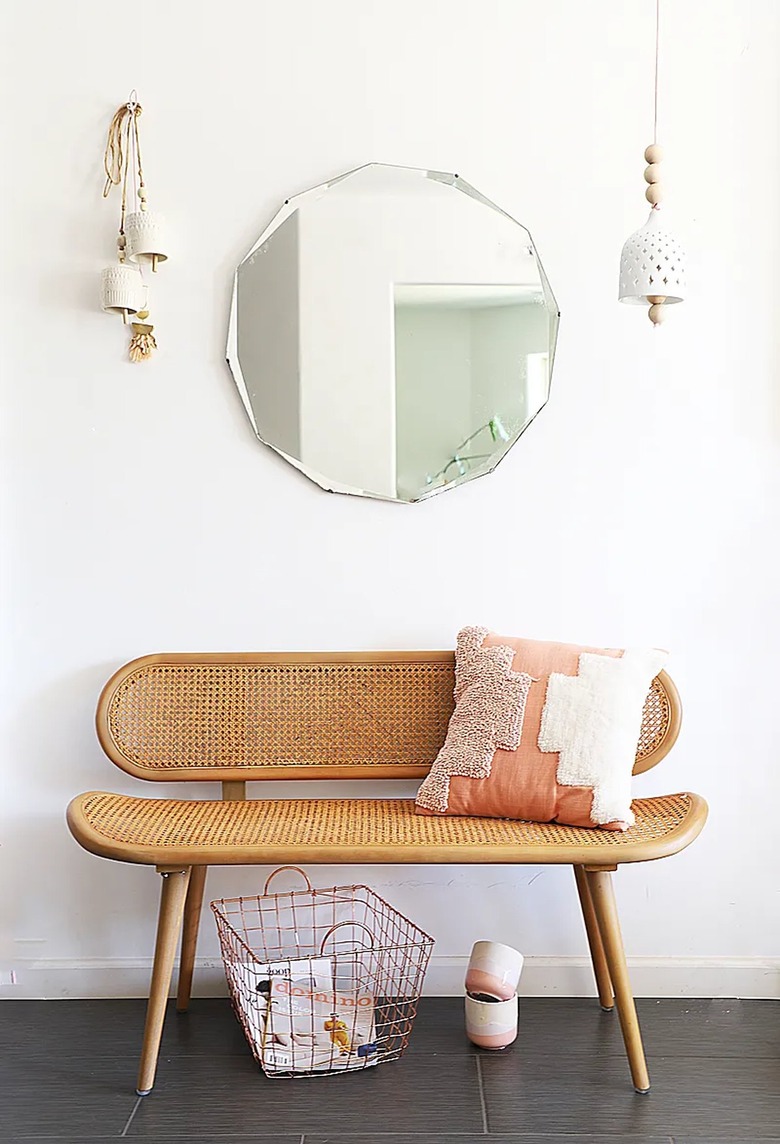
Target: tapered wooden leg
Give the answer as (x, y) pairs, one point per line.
(603, 897)
(174, 892)
(597, 955)
(189, 936)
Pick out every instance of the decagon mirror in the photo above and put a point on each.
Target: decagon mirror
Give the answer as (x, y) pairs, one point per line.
(392, 333)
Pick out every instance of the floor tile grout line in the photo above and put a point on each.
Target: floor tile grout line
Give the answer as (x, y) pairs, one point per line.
(136, 1106)
(482, 1102)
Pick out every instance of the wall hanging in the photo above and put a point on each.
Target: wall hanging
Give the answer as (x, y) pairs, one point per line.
(141, 241)
(653, 264)
(392, 333)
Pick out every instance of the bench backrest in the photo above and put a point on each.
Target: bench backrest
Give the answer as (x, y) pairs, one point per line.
(266, 715)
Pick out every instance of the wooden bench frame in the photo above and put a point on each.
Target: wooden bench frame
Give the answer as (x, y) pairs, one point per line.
(205, 717)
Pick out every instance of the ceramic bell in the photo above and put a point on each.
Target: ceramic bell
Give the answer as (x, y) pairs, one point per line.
(652, 266)
(146, 239)
(122, 290)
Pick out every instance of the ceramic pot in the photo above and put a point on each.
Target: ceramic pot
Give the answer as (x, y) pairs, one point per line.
(491, 1024)
(495, 969)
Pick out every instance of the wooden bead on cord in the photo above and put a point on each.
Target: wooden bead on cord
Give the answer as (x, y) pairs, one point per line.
(653, 155)
(657, 311)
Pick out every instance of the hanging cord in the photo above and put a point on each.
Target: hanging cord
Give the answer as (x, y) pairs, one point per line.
(655, 94)
(137, 150)
(123, 140)
(130, 190)
(115, 158)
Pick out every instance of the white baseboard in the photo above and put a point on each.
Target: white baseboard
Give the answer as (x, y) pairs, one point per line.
(650, 977)
(542, 977)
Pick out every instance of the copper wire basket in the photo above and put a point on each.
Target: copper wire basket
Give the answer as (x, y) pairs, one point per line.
(323, 981)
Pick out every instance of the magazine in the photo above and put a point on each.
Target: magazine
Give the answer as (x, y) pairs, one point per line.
(317, 1030)
(302, 1023)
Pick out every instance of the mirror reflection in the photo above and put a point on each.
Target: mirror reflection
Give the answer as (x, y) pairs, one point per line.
(392, 333)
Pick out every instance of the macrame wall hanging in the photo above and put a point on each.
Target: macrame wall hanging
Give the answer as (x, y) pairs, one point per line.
(141, 241)
(653, 264)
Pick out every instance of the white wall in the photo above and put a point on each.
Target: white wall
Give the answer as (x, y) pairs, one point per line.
(141, 514)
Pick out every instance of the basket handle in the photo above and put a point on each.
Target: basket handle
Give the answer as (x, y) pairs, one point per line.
(280, 869)
(352, 925)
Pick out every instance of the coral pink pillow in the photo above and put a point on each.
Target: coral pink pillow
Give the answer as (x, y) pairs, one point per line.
(541, 731)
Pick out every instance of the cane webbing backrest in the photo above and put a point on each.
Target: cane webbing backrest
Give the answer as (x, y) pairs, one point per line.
(235, 717)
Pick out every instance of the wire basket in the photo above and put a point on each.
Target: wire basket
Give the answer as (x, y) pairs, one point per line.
(322, 980)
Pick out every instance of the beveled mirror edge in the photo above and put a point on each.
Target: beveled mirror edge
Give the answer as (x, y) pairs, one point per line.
(231, 355)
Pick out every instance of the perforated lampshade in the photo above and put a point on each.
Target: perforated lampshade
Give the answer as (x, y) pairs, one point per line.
(652, 265)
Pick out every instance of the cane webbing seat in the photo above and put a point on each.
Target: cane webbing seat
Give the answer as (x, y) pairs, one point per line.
(235, 718)
(162, 831)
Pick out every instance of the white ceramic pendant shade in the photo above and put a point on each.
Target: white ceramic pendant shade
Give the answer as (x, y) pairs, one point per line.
(652, 265)
(146, 241)
(122, 290)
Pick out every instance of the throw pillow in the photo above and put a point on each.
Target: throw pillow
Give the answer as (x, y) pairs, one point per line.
(545, 732)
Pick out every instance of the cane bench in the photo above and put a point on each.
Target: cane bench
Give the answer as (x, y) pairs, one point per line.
(235, 718)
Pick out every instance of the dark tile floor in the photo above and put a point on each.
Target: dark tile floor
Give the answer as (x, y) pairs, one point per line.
(68, 1074)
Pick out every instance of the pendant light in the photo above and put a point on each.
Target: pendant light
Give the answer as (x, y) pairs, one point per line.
(653, 264)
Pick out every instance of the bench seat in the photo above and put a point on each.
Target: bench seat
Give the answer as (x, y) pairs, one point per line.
(167, 832)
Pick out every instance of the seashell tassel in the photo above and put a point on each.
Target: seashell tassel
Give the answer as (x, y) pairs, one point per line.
(142, 342)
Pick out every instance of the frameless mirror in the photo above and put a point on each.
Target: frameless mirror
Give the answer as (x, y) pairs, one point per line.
(392, 333)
